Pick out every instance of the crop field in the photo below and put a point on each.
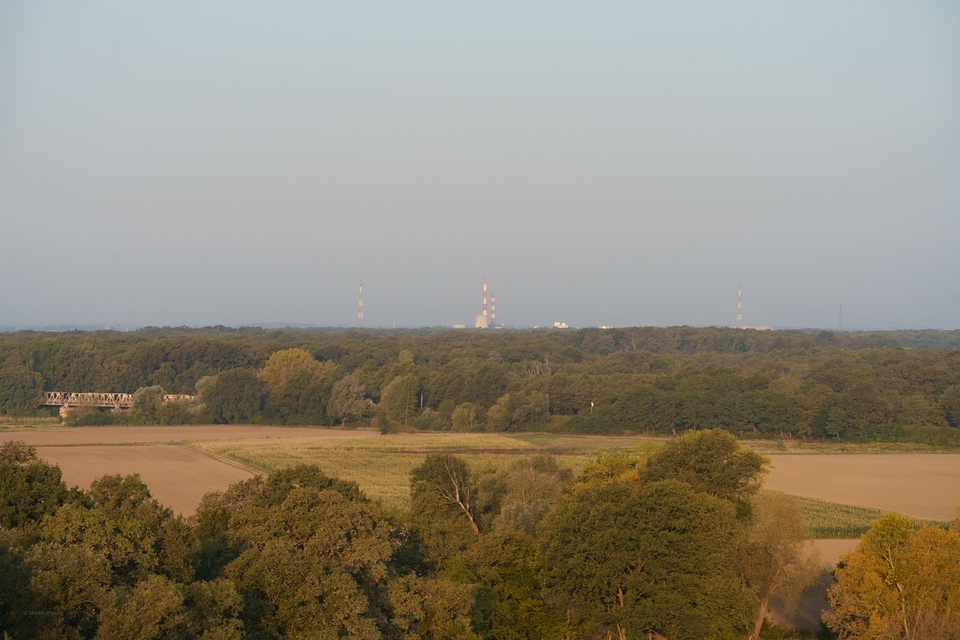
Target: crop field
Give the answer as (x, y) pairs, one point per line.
(917, 485)
(381, 464)
(177, 476)
(835, 520)
(841, 494)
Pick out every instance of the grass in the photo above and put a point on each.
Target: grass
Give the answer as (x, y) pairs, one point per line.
(10, 424)
(381, 464)
(834, 520)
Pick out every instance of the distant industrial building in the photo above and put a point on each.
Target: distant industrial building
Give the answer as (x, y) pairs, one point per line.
(483, 321)
(740, 324)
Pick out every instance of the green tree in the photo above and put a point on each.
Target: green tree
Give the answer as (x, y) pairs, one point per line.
(398, 400)
(950, 405)
(533, 486)
(20, 390)
(516, 411)
(629, 560)
(448, 479)
(234, 396)
(774, 558)
(916, 411)
(711, 461)
(348, 402)
(315, 565)
(147, 402)
(647, 409)
(29, 488)
(769, 412)
(432, 608)
(297, 386)
(464, 416)
(509, 601)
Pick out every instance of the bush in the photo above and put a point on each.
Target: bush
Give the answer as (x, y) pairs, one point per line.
(91, 417)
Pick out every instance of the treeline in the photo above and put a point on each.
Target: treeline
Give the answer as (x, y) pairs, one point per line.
(790, 384)
(680, 545)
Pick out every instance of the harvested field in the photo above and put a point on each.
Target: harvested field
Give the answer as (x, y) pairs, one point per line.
(177, 476)
(831, 550)
(916, 485)
(172, 434)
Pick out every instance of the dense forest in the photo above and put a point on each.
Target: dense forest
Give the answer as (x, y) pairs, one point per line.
(784, 384)
(679, 545)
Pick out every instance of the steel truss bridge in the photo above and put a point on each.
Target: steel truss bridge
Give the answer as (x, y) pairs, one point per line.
(116, 401)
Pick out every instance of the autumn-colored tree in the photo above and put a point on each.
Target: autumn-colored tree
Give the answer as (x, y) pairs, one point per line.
(898, 583)
(282, 365)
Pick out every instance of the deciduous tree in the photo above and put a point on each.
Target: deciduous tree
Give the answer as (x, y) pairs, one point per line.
(630, 560)
(711, 461)
(347, 401)
(446, 478)
(898, 584)
(775, 558)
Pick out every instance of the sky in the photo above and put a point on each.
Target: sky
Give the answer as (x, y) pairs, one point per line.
(618, 163)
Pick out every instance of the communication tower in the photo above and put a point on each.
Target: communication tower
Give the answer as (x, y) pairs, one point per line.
(360, 308)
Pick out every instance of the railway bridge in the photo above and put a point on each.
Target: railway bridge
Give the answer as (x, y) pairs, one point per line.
(68, 400)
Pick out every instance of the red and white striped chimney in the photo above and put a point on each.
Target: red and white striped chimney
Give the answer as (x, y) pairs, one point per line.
(493, 311)
(484, 298)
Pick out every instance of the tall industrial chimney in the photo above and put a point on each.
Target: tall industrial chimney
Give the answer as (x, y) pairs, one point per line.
(484, 298)
(493, 311)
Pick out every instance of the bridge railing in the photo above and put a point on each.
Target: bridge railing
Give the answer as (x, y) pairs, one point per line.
(112, 400)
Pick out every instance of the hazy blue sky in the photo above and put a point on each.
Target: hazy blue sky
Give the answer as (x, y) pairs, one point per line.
(601, 163)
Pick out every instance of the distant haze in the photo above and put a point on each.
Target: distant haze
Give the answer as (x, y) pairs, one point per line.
(600, 163)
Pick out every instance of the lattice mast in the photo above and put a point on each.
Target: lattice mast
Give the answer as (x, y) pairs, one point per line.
(360, 308)
(840, 320)
(493, 311)
(739, 306)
